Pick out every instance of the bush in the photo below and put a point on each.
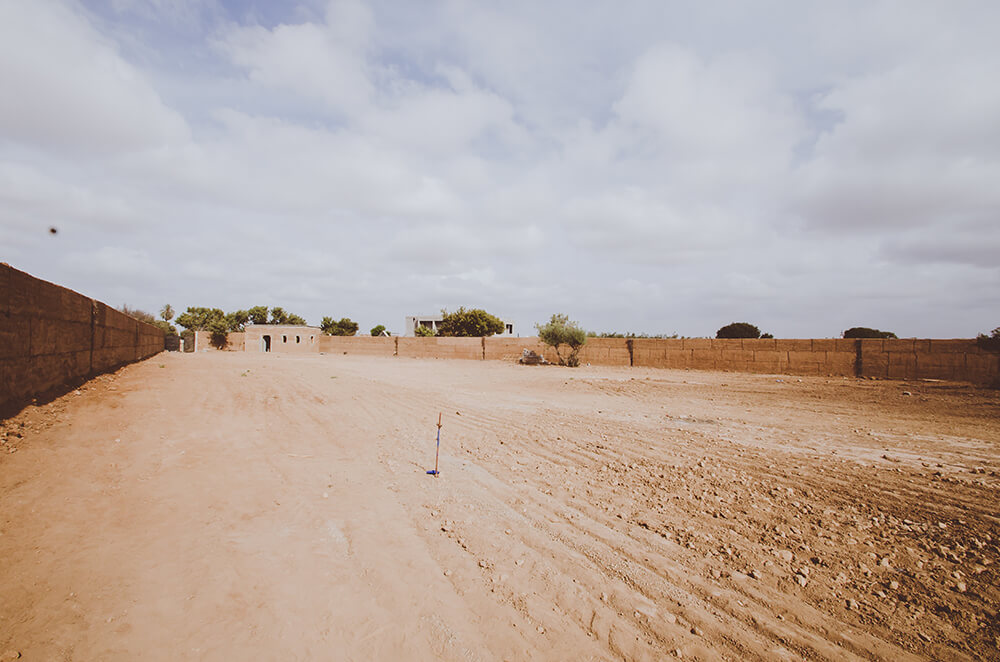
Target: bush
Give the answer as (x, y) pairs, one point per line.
(424, 332)
(990, 342)
(474, 323)
(561, 331)
(865, 332)
(378, 330)
(738, 330)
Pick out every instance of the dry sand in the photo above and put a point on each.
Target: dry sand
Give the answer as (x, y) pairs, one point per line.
(269, 507)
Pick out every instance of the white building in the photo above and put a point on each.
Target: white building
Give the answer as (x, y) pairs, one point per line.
(432, 322)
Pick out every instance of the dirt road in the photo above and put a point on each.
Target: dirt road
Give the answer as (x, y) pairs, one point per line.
(241, 506)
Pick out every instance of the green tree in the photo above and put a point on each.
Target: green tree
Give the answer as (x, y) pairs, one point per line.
(738, 330)
(167, 313)
(474, 323)
(167, 328)
(561, 331)
(378, 330)
(865, 332)
(199, 319)
(424, 332)
(236, 321)
(344, 327)
(257, 315)
(219, 329)
(140, 315)
(990, 342)
(279, 316)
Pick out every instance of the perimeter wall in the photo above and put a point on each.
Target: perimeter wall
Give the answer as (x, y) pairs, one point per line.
(52, 337)
(952, 360)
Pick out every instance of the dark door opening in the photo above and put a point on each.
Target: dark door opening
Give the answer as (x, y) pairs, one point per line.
(267, 343)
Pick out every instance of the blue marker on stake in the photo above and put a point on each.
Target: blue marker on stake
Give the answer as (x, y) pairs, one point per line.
(434, 472)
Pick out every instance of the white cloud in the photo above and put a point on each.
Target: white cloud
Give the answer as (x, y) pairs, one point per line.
(314, 61)
(649, 167)
(65, 87)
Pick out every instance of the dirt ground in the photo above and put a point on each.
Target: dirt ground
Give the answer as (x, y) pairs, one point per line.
(244, 506)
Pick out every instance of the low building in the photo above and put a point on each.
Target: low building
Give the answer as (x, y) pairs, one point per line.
(432, 321)
(281, 338)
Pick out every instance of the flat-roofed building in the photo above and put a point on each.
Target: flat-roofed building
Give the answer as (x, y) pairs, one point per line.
(433, 321)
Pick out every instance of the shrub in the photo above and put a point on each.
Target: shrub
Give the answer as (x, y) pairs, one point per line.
(561, 331)
(738, 330)
(865, 332)
(424, 332)
(378, 330)
(474, 323)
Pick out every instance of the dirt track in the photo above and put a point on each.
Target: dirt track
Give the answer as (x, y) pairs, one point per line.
(241, 506)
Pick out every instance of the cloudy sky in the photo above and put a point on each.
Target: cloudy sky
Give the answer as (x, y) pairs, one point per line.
(656, 167)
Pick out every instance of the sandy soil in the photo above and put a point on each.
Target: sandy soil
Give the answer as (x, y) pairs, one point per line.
(234, 506)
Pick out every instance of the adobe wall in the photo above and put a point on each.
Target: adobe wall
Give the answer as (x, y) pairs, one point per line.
(52, 337)
(364, 345)
(953, 360)
(794, 357)
(440, 348)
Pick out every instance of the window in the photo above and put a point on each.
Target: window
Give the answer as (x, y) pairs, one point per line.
(284, 338)
(297, 340)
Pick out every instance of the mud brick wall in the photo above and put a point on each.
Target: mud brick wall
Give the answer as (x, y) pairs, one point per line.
(363, 345)
(235, 342)
(440, 348)
(953, 360)
(52, 337)
(509, 349)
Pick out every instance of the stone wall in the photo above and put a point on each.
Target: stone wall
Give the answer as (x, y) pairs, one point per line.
(52, 337)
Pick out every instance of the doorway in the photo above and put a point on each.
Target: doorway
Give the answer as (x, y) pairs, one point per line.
(266, 343)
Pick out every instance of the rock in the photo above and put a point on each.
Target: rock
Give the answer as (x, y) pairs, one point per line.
(696, 631)
(670, 618)
(960, 587)
(884, 563)
(894, 585)
(540, 630)
(852, 605)
(756, 574)
(7, 656)
(785, 555)
(801, 579)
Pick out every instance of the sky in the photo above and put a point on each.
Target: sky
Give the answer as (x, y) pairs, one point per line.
(651, 167)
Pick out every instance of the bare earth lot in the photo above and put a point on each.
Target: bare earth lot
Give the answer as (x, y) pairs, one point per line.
(242, 506)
